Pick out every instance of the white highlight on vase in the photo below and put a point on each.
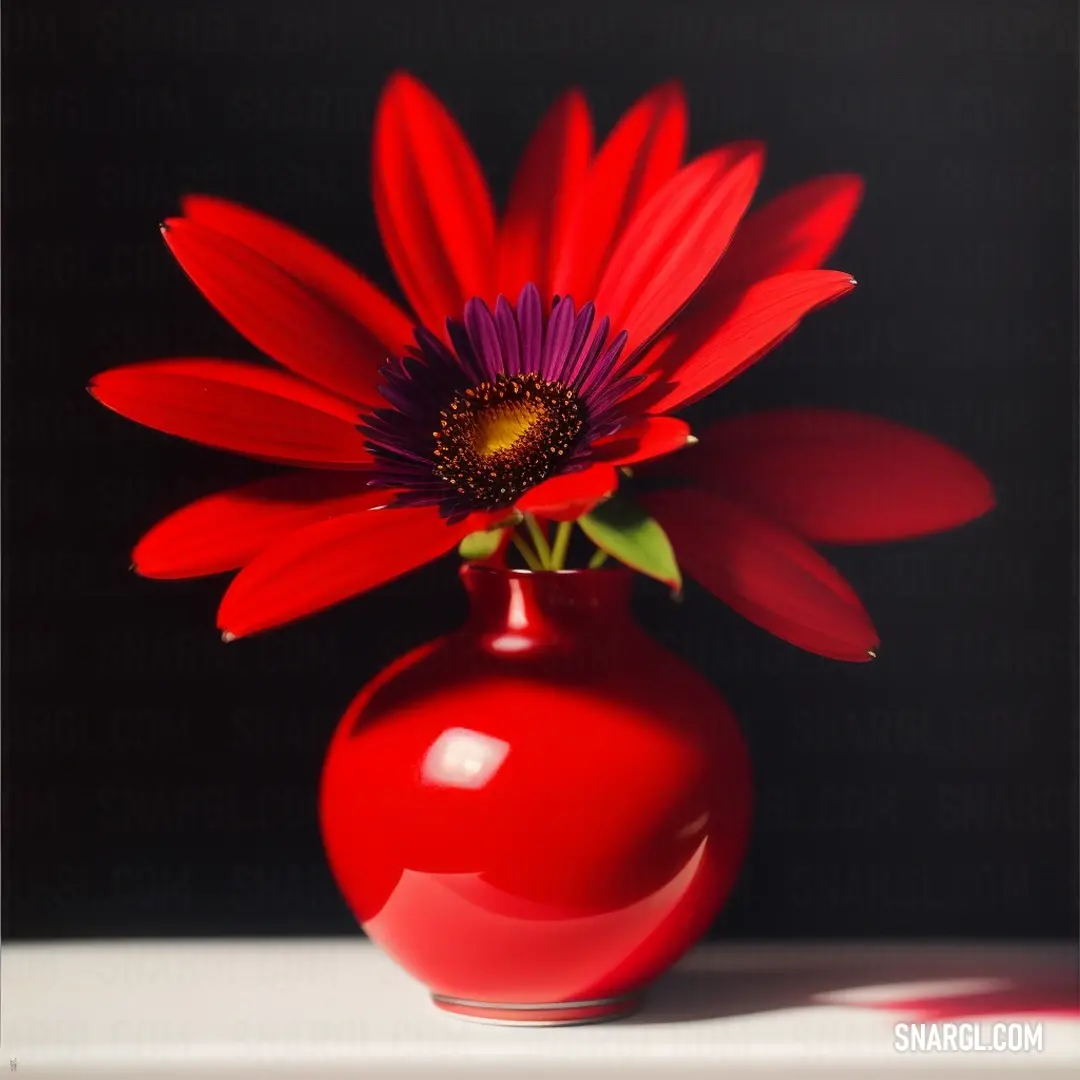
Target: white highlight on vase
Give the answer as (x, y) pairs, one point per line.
(517, 618)
(699, 823)
(463, 758)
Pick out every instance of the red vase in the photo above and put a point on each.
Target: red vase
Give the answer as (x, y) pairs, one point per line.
(538, 814)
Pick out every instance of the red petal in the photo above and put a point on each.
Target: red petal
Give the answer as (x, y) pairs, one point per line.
(228, 529)
(278, 315)
(673, 244)
(648, 438)
(240, 407)
(766, 574)
(546, 188)
(708, 349)
(326, 563)
(640, 155)
(840, 477)
(311, 264)
(569, 495)
(432, 204)
(797, 230)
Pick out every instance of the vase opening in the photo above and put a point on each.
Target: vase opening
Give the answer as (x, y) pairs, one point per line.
(520, 600)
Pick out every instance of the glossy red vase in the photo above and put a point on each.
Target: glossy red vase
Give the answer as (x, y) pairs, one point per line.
(538, 814)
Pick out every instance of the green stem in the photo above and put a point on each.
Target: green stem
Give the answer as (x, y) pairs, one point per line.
(539, 540)
(598, 559)
(526, 552)
(561, 545)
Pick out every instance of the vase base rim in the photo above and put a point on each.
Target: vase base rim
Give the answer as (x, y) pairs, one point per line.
(543, 1014)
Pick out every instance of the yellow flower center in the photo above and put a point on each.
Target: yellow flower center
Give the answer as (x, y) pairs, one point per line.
(502, 427)
(498, 439)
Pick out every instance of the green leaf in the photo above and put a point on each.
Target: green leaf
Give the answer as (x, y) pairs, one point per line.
(478, 546)
(622, 529)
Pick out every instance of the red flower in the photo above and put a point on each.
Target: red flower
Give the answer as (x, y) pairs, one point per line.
(415, 430)
(758, 489)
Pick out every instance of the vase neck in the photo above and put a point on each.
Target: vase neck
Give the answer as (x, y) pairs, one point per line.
(579, 601)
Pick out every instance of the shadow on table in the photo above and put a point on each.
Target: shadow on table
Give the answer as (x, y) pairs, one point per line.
(935, 988)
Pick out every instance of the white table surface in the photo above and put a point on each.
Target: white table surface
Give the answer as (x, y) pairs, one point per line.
(237, 1010)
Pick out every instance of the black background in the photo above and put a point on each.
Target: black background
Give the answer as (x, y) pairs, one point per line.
(156, 781)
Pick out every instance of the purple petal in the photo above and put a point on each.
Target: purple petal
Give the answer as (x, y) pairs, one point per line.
(467, 361)
(587, 359)
(582, 326)
(609, 427)
(398, 396)
(530, 319)
(601, 370)
(560, 328)
(485, 341)
(506, 325)
(433, 348)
